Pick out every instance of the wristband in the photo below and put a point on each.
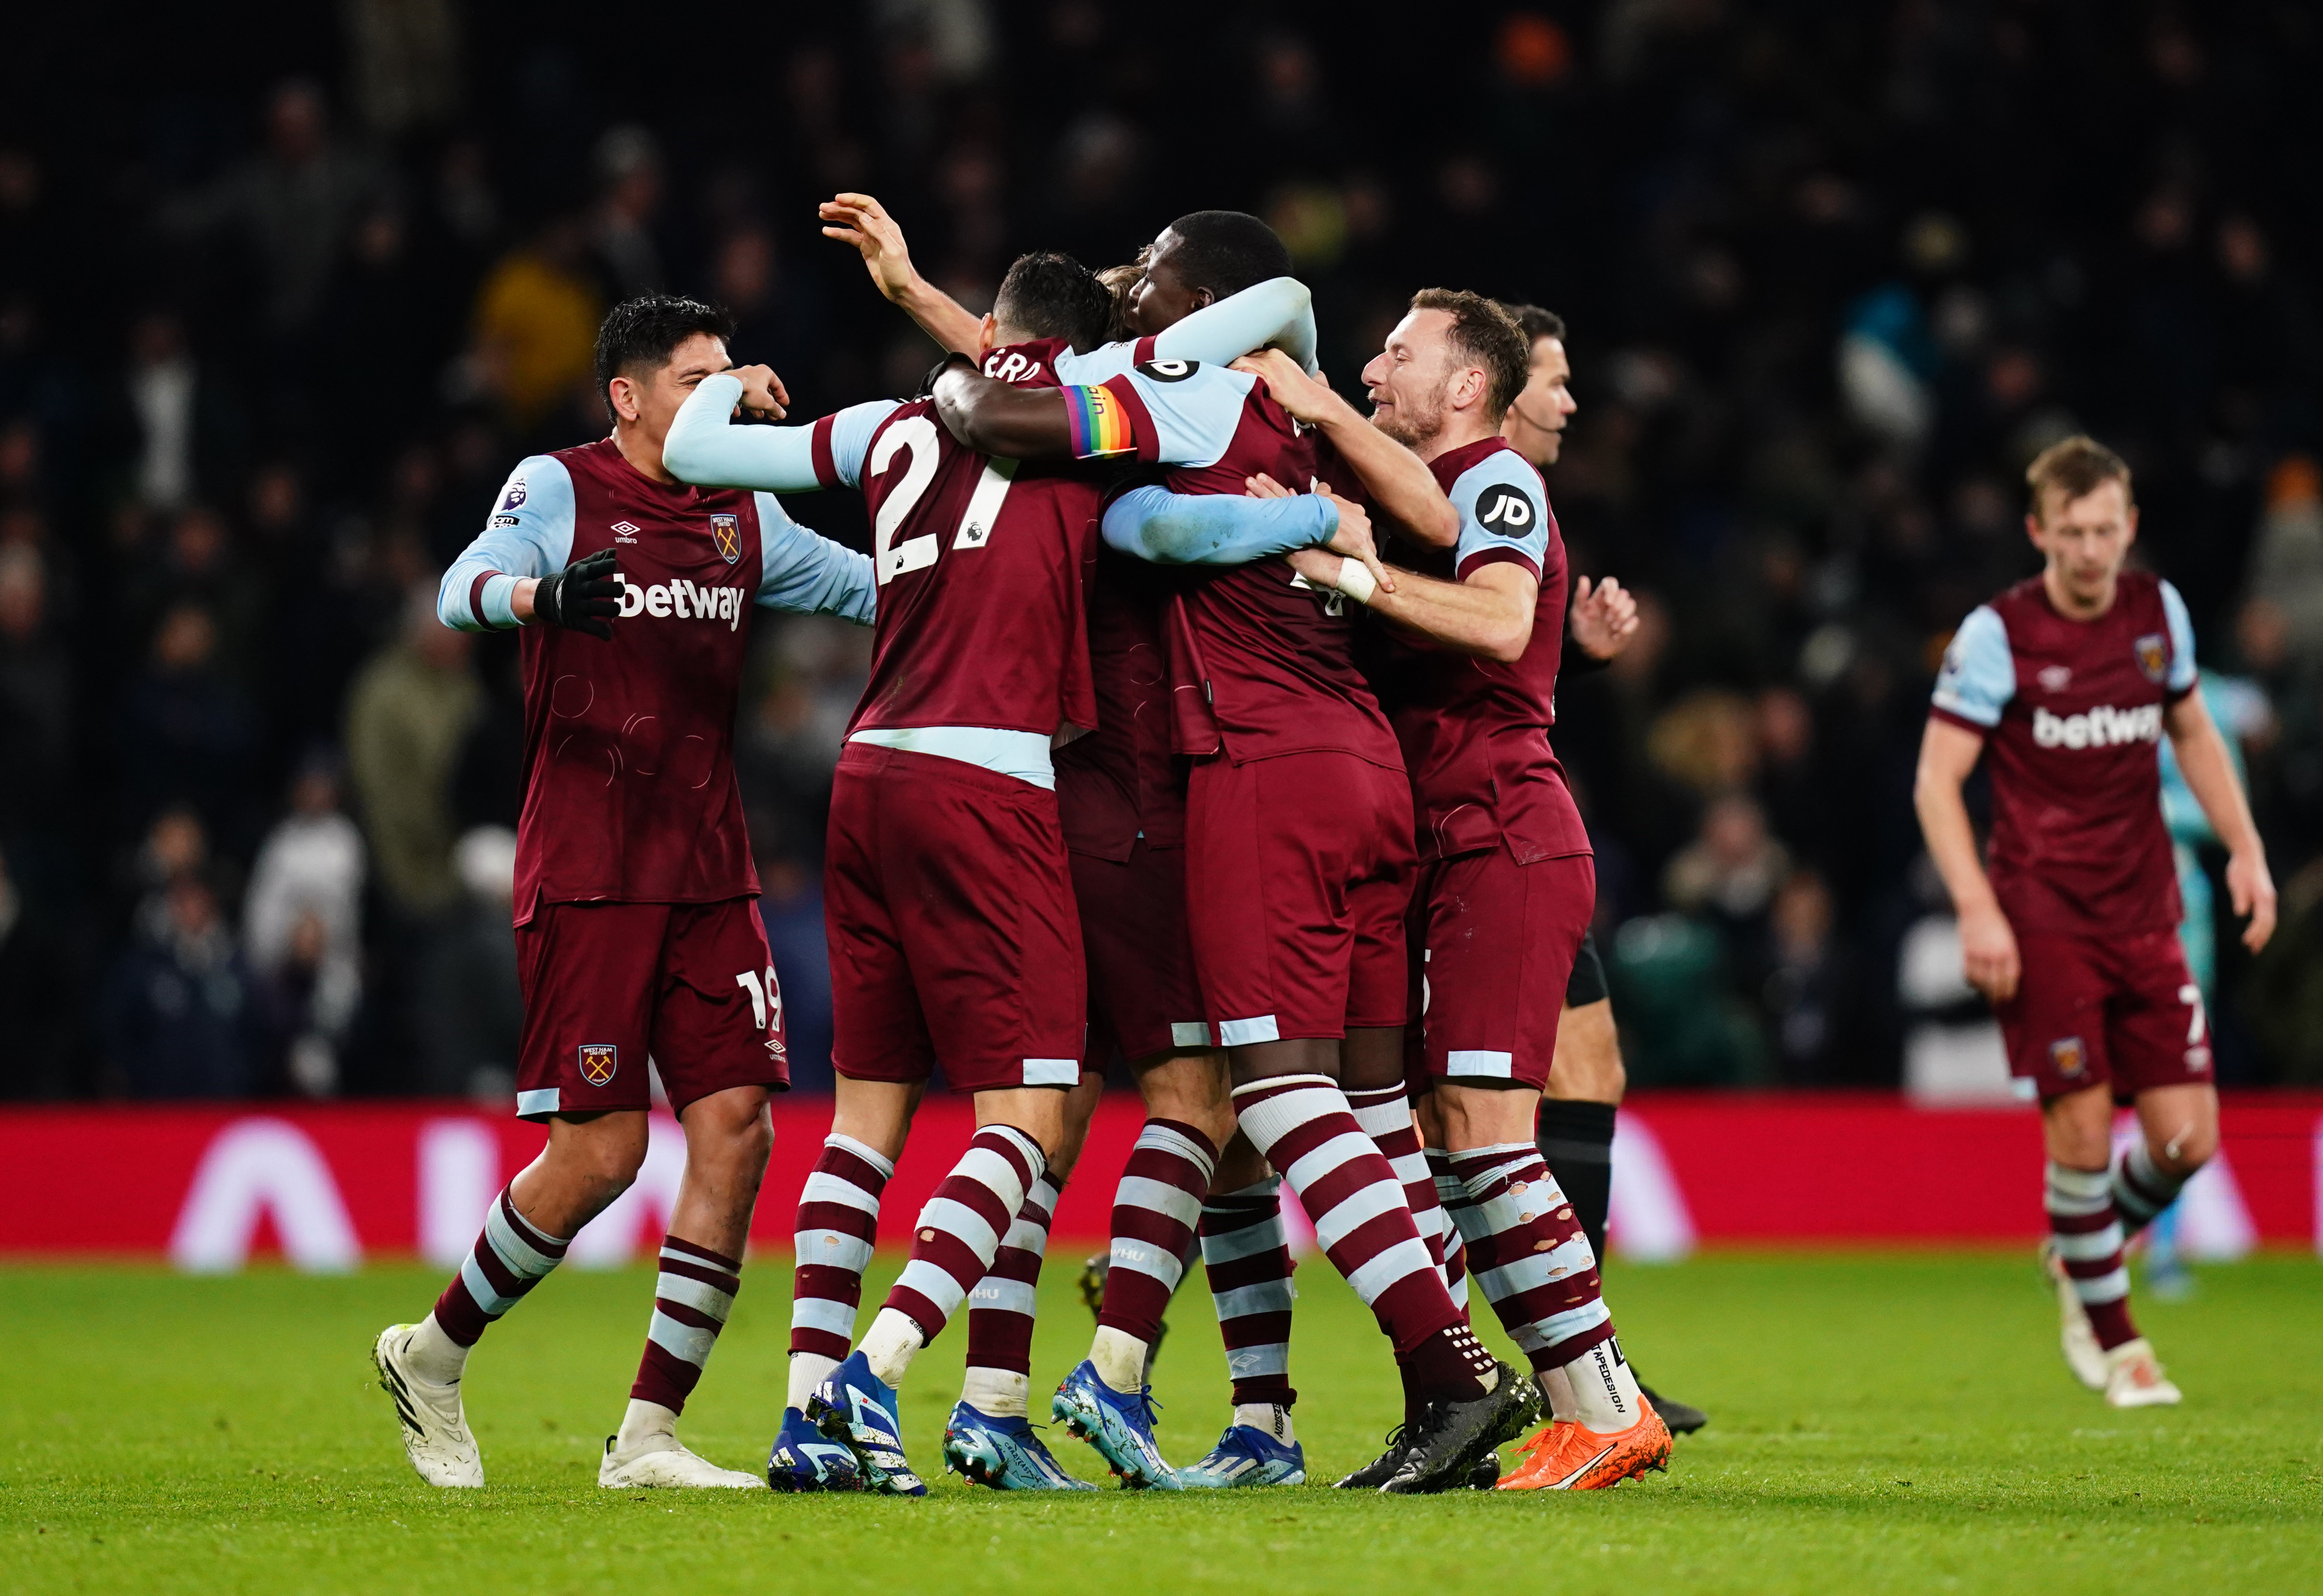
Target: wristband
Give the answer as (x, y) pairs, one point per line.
(1355, 580)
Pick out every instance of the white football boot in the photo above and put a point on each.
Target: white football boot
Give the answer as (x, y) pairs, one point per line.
(435, 1436)
(2075, 1336)
(2133, 1377)
(661, 1460)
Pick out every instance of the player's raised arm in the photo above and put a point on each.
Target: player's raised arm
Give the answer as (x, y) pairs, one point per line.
(1278, 313)
(807, 573)
(707, 447)
(862, 221)
(1397, 479)
(1597, 625)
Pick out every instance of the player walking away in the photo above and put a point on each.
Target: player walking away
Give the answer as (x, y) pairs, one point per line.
(947, 875)
(1586, 1078)
(638, 930)
(1295, 911)
(1506, 886)
(2069, 679)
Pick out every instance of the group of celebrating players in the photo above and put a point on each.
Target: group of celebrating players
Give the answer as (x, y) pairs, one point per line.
(1134, 772)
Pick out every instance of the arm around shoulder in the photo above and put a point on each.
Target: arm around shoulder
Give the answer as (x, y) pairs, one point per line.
(999, 418)
(807, 573)
(1167, 529)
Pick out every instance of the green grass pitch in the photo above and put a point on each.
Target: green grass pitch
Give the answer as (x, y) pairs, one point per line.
(1881, 1422)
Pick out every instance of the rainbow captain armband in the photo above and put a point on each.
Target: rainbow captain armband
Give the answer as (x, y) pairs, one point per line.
(1100, 424)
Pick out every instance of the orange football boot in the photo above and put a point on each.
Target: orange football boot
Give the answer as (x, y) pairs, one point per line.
(1571, 1456)
(1550, 1435)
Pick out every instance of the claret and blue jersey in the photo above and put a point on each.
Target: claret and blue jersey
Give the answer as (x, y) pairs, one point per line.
(535, 529)
(2073, 711)
(1475, 731)
(629, 791)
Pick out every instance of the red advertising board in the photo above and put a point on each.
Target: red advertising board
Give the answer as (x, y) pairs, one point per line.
(332, 1184)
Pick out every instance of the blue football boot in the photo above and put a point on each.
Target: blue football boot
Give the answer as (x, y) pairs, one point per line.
(1245, 1455)
(1001, 1452)
(801, 1460)
(1121, 1427)
(857, 1409)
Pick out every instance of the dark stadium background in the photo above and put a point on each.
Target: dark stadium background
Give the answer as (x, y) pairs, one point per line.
(347, 257)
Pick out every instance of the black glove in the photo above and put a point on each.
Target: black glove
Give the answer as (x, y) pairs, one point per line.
(583, 597)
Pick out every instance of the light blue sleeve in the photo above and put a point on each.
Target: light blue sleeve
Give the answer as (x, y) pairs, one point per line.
(1195, 410)
(851, 437)
(1214, 528)
(2183, 670)
(805, 572)
(707, 448)
(1979, 671)
(1279, 311)
(1502, 510)
(530, 534)
(1106, 361)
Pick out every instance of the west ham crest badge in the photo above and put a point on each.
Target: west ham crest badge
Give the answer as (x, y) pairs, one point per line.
(598, 1060)
(2154, 656)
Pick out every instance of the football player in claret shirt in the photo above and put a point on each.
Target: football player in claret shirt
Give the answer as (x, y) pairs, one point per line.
(2069, 925)
(1298, 859)
(952, 918)
(1505, 888)
(638, 930)
(1585, 1079)
(1213, 285)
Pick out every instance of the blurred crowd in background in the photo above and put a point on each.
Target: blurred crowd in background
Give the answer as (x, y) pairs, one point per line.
(285, 292)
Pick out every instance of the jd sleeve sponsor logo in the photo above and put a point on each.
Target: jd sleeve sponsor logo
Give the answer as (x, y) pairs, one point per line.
(1506, 513)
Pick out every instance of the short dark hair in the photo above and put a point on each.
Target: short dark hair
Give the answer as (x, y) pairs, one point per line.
(638, 335)
(1053, 295)
(1535, 324)
(1484, 332)
(2075, 468)
(1226, 251)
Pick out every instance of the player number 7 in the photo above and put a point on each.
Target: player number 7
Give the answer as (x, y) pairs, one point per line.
(2197, 1023)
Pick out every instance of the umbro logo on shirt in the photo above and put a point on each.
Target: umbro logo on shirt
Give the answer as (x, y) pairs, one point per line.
(623, 532)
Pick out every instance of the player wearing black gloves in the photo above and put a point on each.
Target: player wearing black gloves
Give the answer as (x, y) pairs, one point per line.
(583, 597)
